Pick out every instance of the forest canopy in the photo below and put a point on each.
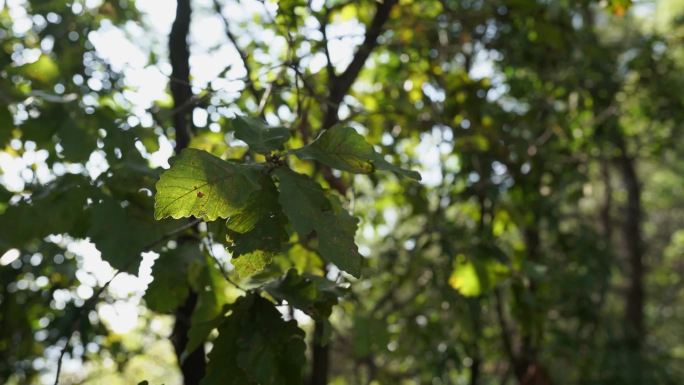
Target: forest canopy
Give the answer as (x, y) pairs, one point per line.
(291, 192)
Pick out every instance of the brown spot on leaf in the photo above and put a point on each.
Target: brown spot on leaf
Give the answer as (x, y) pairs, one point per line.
(200, 194)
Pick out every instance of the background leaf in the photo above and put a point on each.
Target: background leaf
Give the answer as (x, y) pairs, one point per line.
(258, 135)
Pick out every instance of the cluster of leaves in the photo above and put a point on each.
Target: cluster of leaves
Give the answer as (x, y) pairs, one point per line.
(265, 208)
(260, 200)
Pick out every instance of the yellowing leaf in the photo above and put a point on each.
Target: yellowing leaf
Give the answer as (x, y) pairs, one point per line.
(464, 279)
(251, 263)
(474, 277)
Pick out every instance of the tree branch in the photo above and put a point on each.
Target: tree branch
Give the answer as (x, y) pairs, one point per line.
(243, 55)
(192, 365)
(323, 22)
(181, 91)
(342, 83)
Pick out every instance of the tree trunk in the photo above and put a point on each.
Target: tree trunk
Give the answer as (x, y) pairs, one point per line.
(193, 364)
(321, 357)
(634, 300)
(179, 54)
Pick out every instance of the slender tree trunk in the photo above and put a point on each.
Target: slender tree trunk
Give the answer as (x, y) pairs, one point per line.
(476, 307)
(475, 367)
(321, 357)
(527, 369)
(192, 364)
(606, 220)
(634, 300)
(179, 54)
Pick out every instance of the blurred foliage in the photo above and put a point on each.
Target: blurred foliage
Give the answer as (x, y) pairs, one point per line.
(509, 261)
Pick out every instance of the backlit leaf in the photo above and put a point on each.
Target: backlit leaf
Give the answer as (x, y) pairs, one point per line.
(251, 263)
(124, 234)
(202, 185)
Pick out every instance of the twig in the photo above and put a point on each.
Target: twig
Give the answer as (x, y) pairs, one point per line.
(243, 55)
(208, 244)
(340, 87)
(323, 22)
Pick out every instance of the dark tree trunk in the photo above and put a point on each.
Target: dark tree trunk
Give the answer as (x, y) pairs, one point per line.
(192, 364)
(606, 220)
(321, 357)
(634, 300)
(179, 54)
(475, 369)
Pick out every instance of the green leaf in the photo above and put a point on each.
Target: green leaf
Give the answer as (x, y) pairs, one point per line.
(309, 210)
(302, 199)
(256, 346)
(336, 241)
(312, 294)
(344, 149)
(202, 185)
(381, 164)
(261, 204)
(269, 235)
(251, 263)
(122, 234)
(170, 288)
(57, 208)
(44, 70)
(258, 135)
(260, 225)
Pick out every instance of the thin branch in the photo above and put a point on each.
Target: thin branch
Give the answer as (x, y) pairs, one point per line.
(323, 22)
(79, 313)
(503, 325)
(243, 55)
(340, 87)
(208, 244)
